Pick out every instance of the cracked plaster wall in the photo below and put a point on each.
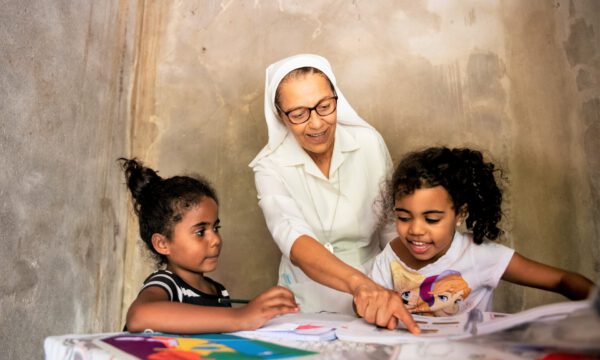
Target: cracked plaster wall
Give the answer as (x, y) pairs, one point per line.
(516, 79)
(64, 97)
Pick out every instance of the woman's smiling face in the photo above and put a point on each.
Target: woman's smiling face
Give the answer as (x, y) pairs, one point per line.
(425, 222)
(316, 136)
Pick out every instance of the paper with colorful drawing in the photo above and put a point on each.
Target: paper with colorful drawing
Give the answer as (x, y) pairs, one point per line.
(301, 327)
(157, 346)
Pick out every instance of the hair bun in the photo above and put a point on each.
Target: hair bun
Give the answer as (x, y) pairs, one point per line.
(138, 177)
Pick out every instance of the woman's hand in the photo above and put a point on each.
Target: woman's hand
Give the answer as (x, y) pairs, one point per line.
(382, 307)
(275, 301)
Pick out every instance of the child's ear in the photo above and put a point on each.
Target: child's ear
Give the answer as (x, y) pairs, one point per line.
(462, 214)
(160, 243)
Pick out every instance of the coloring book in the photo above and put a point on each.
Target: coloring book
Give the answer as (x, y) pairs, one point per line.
(457, 327)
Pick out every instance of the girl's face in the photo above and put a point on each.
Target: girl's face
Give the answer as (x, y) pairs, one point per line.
(425, 221)
(316, 135)
(195, 243)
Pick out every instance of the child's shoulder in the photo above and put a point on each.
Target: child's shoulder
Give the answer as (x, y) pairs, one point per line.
(387, 254)
(494, 251)
(166, 280)
(161, 274)
(178, 289)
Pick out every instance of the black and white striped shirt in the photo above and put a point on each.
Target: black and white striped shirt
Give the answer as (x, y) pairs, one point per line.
(180, 291)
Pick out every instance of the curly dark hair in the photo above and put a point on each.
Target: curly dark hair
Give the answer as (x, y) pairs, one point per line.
(468, 179)
(161, 203)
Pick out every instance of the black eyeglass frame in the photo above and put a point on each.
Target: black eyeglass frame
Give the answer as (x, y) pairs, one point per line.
(286, 113)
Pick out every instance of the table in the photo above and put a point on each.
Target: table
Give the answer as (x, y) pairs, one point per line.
(517, 344)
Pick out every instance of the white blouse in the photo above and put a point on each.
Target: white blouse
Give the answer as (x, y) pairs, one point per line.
(342, 212)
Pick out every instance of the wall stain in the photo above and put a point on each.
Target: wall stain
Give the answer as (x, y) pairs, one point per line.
(486, 94)
(590, 112)
(23, 279)
(109, 215)
(484, 72)
(582, 54)
(571, 8)
(151, 23)
(471, 18)
(579, 46)
(585, 80)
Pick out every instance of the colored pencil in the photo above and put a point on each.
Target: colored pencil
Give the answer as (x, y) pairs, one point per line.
(233, 301)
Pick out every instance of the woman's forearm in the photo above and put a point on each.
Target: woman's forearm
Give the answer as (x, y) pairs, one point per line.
(323, 267)
(374, 303)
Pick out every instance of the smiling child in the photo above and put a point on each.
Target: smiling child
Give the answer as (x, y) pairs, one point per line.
(438, 270)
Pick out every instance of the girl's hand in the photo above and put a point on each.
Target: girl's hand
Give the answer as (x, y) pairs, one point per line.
(275, 301)
(382, 307)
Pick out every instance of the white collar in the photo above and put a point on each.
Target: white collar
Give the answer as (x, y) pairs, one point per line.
(290, 153)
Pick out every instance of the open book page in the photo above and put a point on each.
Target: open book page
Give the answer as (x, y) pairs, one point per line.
(550, 312)
(457, 327)
(302, 327)
(578, 332)
(361, 331)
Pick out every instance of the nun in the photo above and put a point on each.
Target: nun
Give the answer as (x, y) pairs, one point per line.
(319, 181)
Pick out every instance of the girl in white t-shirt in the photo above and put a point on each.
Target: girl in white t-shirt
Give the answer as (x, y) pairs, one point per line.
(439, 271)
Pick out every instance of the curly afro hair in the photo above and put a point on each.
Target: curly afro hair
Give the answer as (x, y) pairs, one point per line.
(469, 180)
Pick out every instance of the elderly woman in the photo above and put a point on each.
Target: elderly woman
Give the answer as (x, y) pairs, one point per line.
(318, 180)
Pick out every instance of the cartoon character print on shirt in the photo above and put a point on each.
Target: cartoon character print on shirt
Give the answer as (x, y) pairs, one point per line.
(437, 295)
(406, 283)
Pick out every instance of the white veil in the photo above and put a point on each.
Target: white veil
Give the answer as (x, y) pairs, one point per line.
(274, 74)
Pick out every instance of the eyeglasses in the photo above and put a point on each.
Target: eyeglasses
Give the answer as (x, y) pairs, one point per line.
(301, 115)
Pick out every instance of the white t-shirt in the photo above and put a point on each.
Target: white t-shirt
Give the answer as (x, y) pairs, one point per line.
(341, 211)
(462, 279)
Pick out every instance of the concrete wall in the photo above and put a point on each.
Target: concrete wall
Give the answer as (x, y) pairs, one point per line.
(518, 79)
(64, 97)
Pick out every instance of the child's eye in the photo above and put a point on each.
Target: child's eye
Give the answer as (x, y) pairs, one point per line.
(432, 221)
(443, 298)
(216, 228)
(200, 232)
(403, 219)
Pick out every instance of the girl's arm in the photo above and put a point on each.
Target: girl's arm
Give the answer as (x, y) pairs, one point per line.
(374, 303)
(524, 271)
(153, 310)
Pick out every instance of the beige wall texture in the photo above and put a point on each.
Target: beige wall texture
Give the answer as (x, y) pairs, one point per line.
(179, 84)
(519, 80)
(64, 101)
